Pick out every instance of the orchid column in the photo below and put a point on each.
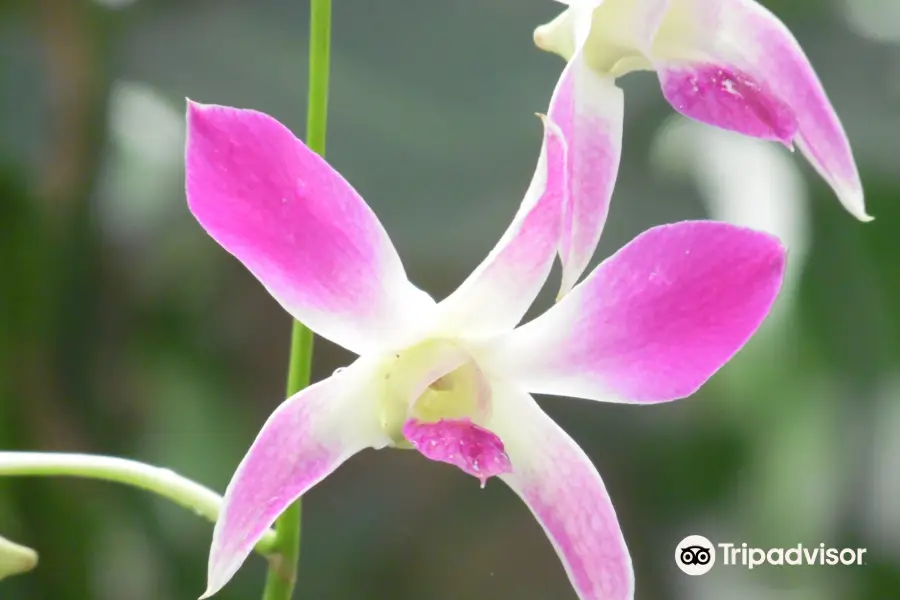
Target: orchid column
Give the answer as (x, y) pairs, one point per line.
(282, 573)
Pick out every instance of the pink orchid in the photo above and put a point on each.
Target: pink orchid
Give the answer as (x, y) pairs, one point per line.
(728, 63)
(453, 379)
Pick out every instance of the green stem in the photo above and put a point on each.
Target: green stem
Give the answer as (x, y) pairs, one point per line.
(282, 574)
(163, 482)
(319, 49)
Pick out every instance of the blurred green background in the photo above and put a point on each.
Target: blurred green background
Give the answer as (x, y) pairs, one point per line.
(125, 330)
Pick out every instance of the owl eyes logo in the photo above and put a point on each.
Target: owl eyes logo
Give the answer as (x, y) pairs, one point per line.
(695, 555)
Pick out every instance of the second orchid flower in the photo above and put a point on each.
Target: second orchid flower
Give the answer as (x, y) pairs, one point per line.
(727, 63)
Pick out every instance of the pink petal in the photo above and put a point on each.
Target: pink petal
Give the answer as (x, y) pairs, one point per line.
(461, 443)
(304, 440)
(772, 84)
(821, 137)
(567, 496)
(497, 294)
(589, 110)
(298, 226)
(728, 98)
(653, 322)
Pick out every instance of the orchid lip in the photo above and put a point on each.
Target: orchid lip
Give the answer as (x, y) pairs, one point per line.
(460, 442)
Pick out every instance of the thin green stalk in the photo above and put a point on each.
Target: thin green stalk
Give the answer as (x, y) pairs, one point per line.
(163, 482)
(319, 58)
(282, 574)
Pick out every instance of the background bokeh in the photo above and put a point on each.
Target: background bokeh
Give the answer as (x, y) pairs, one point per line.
(125, 330)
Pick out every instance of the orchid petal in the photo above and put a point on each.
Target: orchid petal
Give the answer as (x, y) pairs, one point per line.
(580, 12)
(589, 109)
(558, 36)
(303, 441)
(734, 64)
(653, 322)
(726, 97)
(567, 496)
(497, 294)
(299, 227)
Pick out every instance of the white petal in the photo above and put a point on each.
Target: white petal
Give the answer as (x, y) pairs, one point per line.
(589, 109)
(495, 297)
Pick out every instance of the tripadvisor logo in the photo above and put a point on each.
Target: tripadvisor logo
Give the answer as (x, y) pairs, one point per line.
(696, 555)
(794, 556)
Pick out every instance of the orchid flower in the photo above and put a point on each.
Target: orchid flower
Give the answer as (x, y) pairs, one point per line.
(728, 63)
(454, 380)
